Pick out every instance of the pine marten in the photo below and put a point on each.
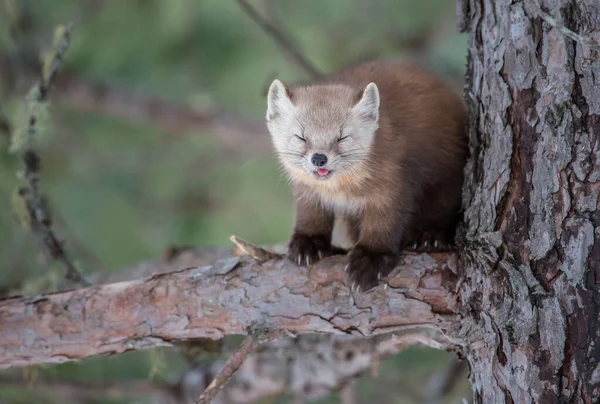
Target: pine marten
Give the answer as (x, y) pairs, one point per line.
(381, 146)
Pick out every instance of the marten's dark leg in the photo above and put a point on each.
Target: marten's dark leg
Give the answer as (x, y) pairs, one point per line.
(311, 239)
(378, 248)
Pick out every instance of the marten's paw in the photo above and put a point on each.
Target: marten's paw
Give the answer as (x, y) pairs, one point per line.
(367, 267)
(306, 250)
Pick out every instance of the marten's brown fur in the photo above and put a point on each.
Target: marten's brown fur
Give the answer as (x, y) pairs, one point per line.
(394, 153)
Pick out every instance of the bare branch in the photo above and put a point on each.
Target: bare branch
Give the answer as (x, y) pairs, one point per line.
(348, 393)
(226, 298)
(168, 116)
(280, 38)
(142, 109)
(37, 207)
(232, 365)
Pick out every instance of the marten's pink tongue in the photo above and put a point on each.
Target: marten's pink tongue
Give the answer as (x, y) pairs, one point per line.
(323, 172)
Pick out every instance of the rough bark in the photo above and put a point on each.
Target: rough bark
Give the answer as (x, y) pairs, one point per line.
(529, 247)
(229, 297)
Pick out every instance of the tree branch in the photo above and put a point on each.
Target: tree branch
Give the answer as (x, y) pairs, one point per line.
(235, 361)
(227, 298)
(39, 217)
(348, 393)
(141, 109)
(167, 116)
(280, 38)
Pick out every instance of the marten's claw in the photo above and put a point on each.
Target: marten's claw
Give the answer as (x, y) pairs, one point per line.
(367, 267)
(306, 250)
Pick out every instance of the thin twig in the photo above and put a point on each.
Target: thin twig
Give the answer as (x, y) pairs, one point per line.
(348, 393)
(284, 43)
(258, 253)
(39, 216)
(536, 10)
(232, 365)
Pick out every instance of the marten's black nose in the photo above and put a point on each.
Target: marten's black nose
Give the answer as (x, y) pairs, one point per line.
(318, 160)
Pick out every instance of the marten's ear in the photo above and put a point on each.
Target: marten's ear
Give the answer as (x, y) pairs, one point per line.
(368, 106)
(278, 100)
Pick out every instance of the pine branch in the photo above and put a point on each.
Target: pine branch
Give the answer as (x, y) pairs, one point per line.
(280, 38)
(226, 298)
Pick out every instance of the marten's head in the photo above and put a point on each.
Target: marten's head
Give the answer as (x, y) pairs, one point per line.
(322, 132)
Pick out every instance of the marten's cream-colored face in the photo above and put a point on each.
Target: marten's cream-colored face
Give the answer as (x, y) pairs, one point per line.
(321, 132)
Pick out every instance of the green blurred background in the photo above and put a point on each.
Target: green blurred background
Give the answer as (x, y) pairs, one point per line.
(124, 189)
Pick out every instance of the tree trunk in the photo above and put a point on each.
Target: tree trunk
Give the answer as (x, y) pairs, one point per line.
(529, 246)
